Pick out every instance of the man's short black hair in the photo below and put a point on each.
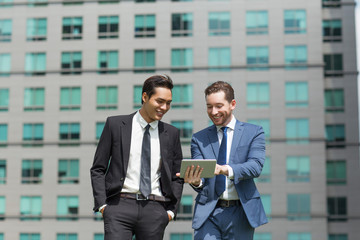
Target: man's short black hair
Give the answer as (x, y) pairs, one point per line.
(156, 81)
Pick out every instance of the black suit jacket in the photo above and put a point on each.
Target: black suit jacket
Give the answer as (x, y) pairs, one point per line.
(112, 156)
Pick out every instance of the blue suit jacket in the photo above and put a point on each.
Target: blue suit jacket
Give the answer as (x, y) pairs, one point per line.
(247, 158)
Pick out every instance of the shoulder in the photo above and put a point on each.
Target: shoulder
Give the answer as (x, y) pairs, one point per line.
(205, 131)
(168, 127)
(120, 118)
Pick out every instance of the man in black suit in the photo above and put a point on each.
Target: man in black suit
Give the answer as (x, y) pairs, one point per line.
(134, 170)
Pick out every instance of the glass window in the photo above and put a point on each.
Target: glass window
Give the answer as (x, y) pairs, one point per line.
(333, 65)
(338, 237)
(266, 201)
(35, 64)
(1, 234)
(72, 2)
(99, 129)
(36, 29)
(182, 96)
(70, 98)
(108, 62)
(143, 1)
(181, 236)
(5, 30)
(2, 207)
(257, 58)
(334, 100)
(182, 25)
(181, 0)
(2, 171)
(107, 97)
(298, 206)
(30, 208)
(69, 131)
(298, 168)
(29, 236)
(181, 60)
(219, 24)
(336, 172)
(186, 129)
(37, 3)
(331, 3)
(295, 57)
(337, 209)
(34, 99)
(72, 28)
(265, 175)
(66, 236)
(108, 27)
(335, 135)
(294, 21)
(296, 94)
(297, 131)
(5, 64)
(264, 123)
(145, 26)
(33, 132)
(332, 30)
(262, 236)
(299, 236)
(67, 208)
(257, 22)
(3, 133)
(185, 208)
(144, 61)
(6, 3)
(219, 59)
(68, 171)
(258, 95)
(71, 63)
(98, 236)
(4, 99)
(137, 96)
(31, 171)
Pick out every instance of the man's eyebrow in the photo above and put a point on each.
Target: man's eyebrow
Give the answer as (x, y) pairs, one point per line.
(164, 100)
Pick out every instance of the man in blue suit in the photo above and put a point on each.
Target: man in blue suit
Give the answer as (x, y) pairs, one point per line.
(228, 206)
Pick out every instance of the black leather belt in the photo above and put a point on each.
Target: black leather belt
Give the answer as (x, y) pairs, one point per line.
(140, 197)
(227, 203)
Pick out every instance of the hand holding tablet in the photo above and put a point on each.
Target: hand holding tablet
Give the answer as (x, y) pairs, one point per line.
(208, 166)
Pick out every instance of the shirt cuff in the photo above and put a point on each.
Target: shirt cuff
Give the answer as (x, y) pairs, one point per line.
(171, 214)
(231, 172)
(200, 185)
(102, 207)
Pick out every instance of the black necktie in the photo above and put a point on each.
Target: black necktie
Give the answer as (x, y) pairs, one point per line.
(220, 179)
(145, 182)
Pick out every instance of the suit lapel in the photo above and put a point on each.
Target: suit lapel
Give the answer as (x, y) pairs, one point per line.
(213, 139)
(125, 133)
(238, 132)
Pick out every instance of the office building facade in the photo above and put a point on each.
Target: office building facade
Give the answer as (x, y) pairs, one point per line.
(67, 65)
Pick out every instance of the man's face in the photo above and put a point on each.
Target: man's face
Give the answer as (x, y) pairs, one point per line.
(219, 109)
(154, 108)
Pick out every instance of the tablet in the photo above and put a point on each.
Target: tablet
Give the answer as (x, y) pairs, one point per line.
(207, 164)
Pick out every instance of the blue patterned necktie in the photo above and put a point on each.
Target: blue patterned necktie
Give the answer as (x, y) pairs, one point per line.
(145, 182)
(220, 179)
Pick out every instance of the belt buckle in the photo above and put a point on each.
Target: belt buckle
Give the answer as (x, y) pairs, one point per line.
(140, 197)
(227, 203)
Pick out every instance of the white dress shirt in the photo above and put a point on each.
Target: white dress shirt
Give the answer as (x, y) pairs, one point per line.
(230, 192)
(132, 180)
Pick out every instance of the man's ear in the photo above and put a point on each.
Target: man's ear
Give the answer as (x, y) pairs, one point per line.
(144, 97)
(233, 104)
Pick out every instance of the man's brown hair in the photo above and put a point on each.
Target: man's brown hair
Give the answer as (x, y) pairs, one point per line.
(221, 86)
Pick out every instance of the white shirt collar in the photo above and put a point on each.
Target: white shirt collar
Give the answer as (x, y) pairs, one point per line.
(143, 123)
(230, 125)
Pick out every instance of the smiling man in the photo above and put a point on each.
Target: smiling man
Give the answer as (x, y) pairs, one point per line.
(133, 173)
(228, 206)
